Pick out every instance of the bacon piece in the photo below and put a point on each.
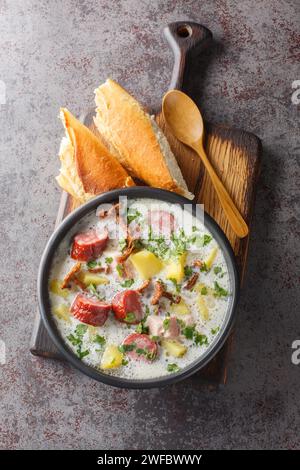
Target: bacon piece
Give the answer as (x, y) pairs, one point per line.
(100, 269)
(143, 286)
(160, 291)
(69, 277)
(192, 281)
(198, 263)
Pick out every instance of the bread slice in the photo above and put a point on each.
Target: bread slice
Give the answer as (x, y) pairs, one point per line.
(87, 167)
(135, 139)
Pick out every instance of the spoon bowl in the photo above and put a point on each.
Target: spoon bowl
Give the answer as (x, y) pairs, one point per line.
(185, 121)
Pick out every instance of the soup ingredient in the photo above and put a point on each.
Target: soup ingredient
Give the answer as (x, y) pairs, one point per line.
(62, 312)
(127, 306)
(68, 278)
(179, 309)
(112, 357)
(174, 347)
(87, 310)
(144, 286)
(160, 291)
(167, 328)
(89, 245)
(139, 347)
(161, 222)
(55, 288)
(192, 281)
(173, 368)
(219, 291)
(202, 308)
(210, 258)
(175, 268)
(146, 264)
(88, 278)
(76, 339)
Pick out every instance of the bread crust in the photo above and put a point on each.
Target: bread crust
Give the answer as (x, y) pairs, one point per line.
(131, 136)
(91, 169)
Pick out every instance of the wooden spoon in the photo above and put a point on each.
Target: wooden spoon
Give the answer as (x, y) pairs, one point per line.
(185, 121)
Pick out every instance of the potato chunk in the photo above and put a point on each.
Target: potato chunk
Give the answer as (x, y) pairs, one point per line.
(175, 268)
(57, 290)
(62, 312)
(203, 310)
(112, 357)
(179, 309)
(211, 257)
(174, 347)
(90, 278)
(146, 264)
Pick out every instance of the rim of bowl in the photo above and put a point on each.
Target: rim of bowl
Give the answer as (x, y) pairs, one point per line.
(44, 301)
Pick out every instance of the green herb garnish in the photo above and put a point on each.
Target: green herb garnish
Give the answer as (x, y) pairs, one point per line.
(93, 290)
(188, 271)
(166, 323)
(214, 331)
(176, 285)
(188, 332)
(219, 291)
(120, 269)
(132, 214)
(76, 340)
(99, 340)
(92, 264)
(200, 339)
(130, 317)
(203, 290)
(124, 362)
(127, 283)
(127, 347)
(122, 244)
(173, 368)
(204, 268)
(109, 260)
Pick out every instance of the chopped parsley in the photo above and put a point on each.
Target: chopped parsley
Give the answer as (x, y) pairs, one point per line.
(166, 323)
(173, 368)
(76, 339)
(204, 268)
(93, 290)
(206, 239)
(92, 264)
(127, 347)
(200, 339)
(127, 283)
(132, 214)
(109, 260)
(124, 362)
(188, 332)
(219, 291)
(99, 340)
(217, 269)
(141, 327)
(120, 269)
(122, 244)
(203, 290)
(188, 271)
(130, 317)
(214, 331)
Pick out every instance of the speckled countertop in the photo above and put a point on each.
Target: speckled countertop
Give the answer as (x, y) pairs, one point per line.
(55, 53)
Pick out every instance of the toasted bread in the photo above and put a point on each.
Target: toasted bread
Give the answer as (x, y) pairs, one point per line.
(87, 167)
(135, 139)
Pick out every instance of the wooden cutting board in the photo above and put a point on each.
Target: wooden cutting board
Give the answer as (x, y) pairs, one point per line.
(235, 154)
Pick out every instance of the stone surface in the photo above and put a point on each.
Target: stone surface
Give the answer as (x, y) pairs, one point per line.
(55, 53)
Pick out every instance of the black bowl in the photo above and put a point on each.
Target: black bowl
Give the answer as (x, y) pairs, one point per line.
(44, 303)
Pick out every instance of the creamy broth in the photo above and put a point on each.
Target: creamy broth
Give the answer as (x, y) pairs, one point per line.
(199, 315)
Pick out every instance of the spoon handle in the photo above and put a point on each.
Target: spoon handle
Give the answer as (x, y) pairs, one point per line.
(234, 217)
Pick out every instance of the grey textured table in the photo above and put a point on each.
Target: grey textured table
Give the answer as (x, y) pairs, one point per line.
(55, 53)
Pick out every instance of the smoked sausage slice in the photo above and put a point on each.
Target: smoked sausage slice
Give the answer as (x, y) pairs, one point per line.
(89, 245)
(90, 311)
(127, 306)
(140, 347)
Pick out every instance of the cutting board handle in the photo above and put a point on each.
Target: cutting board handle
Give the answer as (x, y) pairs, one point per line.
(186, 39)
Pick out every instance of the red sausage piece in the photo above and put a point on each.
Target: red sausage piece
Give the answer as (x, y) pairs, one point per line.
(127, 306)
(161, 222)
(89, 245)
(140, 347)
(87, 310)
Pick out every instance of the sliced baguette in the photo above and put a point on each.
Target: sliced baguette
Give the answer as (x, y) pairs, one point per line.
(87, 167)
(135, 139)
